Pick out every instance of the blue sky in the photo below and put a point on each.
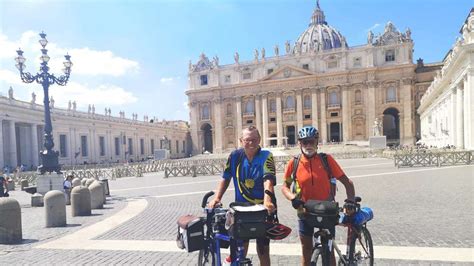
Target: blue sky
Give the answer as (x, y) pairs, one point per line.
(133, 55)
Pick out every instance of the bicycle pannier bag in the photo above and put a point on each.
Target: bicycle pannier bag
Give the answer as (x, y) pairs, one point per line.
(246, 222)
(190, 233)
(322, 214)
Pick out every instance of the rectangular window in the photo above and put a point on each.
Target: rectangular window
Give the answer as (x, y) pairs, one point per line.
(272, 119)
(246, 76)
(307, 116)
(152, 146)
(227, 78)
(184, 146)
(84, 150)
(249, 121)
(62, 146)
(142, 146)
(390, 56)
(130, 146)
(117, 146)
(102, 145)
(203, 80)
(357, 62)
(306, 66)
(177, 146)
(334, 114)
(269, 71)
(332, 64)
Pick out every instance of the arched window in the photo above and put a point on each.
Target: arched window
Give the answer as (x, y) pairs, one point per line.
(358, 96)
(391, 94)
(249, 106)
(333, 98)
(290, 102)
(273, 105)
(307, 102)
(229, 109)
(205, 112)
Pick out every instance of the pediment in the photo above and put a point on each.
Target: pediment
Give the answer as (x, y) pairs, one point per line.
(286, 72)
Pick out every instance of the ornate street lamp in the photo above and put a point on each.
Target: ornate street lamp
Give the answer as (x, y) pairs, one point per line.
(49, 158)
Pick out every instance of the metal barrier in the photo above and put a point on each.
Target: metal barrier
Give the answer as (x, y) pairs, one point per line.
(427, 158)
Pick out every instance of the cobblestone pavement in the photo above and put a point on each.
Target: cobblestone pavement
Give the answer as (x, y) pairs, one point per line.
(413, 207)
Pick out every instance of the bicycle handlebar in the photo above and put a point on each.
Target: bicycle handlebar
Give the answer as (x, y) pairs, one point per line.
(204, 200)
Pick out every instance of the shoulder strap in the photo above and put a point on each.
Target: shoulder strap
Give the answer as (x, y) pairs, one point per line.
(332, 180)
(296, 162)
(324, 159)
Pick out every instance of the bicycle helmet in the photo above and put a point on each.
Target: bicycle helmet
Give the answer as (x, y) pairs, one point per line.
(277, 231)
(308, 132)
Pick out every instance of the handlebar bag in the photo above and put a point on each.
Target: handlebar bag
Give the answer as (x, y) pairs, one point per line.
(246, 222)
(190, 233)
(322, 214)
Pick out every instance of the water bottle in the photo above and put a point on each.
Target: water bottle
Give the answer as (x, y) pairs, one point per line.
(364, 215)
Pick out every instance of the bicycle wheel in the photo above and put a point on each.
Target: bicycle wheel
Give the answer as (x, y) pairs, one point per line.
(362, 248)
(320, 256)
(206, 257)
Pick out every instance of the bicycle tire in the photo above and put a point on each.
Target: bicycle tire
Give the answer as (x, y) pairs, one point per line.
(206, 257)
(320, 256)
(362, 249)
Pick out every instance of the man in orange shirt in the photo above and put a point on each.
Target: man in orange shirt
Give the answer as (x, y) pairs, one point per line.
(316, 180)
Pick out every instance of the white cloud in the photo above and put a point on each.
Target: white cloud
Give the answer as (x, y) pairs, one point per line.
(376, 25)
(169, 80)
(103, 95)
(10, 77)
(86, 61)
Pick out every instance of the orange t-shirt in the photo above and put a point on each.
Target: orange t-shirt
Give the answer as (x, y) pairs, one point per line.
(312, 181)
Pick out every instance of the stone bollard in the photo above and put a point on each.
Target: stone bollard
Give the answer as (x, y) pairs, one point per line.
(76, 182)
(24, 183)
(89, 182)
(10, 221)
(97, 195)
(37, 200)
(55, 208)
(80, 201)
(102, 184)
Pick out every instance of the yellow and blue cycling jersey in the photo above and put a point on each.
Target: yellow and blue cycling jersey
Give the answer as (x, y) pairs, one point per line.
(249, 176)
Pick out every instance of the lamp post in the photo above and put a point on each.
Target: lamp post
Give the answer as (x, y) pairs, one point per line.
(49, 158)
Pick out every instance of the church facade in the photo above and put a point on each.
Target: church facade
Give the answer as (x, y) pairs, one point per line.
(447, 107)
(84, 137)
(318, 80)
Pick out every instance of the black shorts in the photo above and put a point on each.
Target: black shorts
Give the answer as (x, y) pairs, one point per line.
(305, 230)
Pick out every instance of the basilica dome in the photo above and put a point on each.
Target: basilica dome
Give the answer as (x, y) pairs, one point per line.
(319, 35)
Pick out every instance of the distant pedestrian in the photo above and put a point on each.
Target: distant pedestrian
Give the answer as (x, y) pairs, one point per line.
(3, 186)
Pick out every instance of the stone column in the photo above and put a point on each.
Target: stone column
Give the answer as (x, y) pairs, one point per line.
(406, 93)
(194, 116)
(299, 110)
(2, 158)
(459, 117)
(265, 120)
(452, 118)
(279, 120)
(370, 107)
(34, 144)
(258, 114)
(314, 109)
(469, 110)
(238, 114)
(346, 114)
(324, 127)
(217, 125)
(12, 152)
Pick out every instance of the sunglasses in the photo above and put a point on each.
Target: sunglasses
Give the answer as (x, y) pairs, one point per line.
(308, 141)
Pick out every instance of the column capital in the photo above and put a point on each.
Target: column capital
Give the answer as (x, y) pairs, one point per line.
(372, 83)
(407, 81)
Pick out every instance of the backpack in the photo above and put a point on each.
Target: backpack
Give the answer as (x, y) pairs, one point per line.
(324, 160)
